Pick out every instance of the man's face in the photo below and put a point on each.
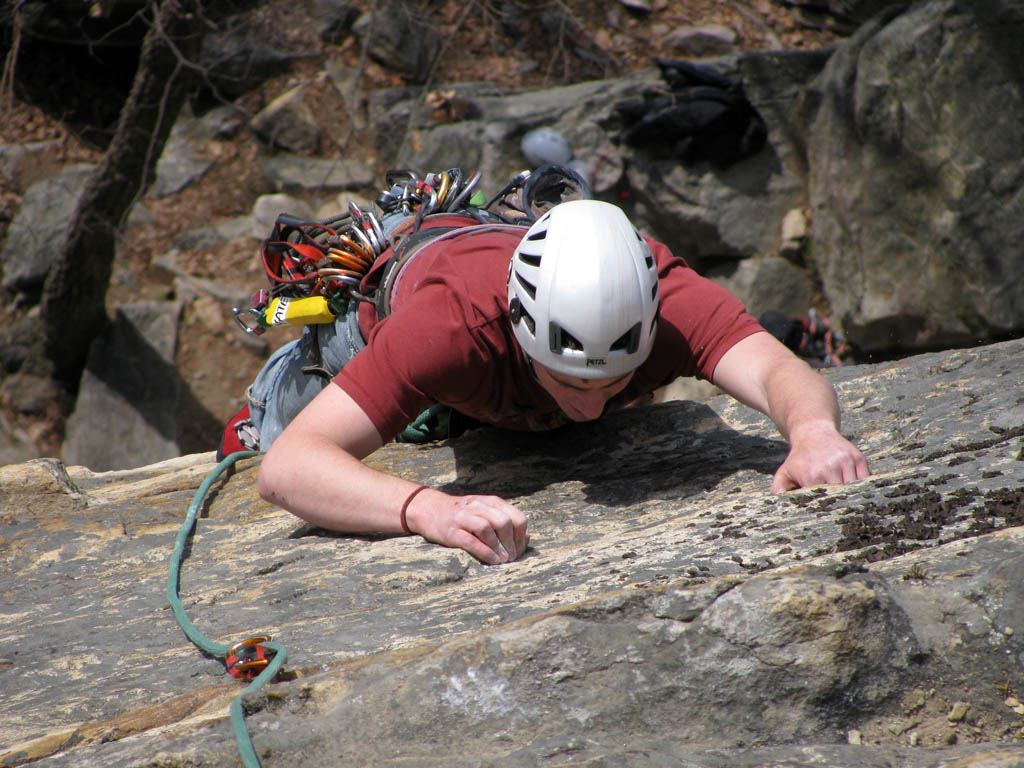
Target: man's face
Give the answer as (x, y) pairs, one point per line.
(580, 399)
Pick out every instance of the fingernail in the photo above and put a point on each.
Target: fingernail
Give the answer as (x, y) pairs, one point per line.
(502, 552)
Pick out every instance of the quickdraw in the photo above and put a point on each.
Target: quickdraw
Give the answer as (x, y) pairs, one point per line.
(313, 268)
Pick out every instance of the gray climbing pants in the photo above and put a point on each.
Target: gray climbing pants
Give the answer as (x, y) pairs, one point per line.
(281, 389)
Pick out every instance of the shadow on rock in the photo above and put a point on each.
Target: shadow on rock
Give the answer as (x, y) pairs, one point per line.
(665, 451)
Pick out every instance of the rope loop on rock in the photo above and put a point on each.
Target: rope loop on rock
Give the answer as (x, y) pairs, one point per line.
(273, 653)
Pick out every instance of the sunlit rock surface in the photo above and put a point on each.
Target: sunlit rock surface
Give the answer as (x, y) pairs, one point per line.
(670, 610)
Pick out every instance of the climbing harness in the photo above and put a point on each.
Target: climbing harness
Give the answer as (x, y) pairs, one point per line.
(256, 658)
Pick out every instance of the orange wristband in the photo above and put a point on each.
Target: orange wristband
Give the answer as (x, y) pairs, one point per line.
(405, 508)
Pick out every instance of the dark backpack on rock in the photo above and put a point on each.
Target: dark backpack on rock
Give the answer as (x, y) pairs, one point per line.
(702, 117)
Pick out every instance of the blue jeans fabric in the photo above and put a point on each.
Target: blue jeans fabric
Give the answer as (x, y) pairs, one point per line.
(281, 389)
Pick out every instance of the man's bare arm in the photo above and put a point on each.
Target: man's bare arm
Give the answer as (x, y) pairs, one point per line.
(314, 470)
(763, 374)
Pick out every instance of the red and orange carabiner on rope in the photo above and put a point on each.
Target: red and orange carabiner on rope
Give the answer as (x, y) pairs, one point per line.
(247, 658)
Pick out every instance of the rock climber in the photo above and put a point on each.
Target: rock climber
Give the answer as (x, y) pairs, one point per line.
(521, 328)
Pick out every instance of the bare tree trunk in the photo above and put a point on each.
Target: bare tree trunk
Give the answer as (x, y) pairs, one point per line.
(73, 306)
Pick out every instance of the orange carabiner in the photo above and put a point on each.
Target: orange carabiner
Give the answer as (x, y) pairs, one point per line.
(247, 658)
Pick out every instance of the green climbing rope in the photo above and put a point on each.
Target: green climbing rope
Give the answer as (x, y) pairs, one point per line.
(205, 644)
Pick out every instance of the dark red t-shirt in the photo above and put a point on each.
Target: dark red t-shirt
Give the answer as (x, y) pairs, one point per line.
(449, 339)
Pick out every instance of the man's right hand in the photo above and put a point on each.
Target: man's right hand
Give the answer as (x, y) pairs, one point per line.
(314, 470)
(488, 527)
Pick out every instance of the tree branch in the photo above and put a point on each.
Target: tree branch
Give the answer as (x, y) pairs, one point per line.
(73, 308)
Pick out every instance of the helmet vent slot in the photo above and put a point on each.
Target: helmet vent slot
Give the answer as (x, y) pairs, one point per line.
(528, 287)
(629, 341)
(561, 340)
(530, 259)
(648, 256)
(531, 325)
(571, 342)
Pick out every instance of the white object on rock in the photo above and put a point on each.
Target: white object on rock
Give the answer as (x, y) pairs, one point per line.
(794, 233)
(794, 226)
(545, 145)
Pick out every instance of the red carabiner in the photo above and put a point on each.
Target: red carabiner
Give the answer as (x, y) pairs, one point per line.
(246, 659)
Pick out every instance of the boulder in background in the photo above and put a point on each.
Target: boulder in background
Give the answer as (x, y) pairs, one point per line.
(916, 166)
(126, 414)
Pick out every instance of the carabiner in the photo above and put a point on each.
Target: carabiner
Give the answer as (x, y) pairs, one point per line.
(443, 187)
(259, 327)
(426, 208)
(246, 659)
(464, 194)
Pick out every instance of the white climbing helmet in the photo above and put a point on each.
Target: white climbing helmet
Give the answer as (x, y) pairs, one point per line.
(583, 291)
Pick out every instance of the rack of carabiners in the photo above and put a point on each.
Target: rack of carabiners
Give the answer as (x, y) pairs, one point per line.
(437, 193)
(316, 267)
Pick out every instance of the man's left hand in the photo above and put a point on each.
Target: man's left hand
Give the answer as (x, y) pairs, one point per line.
(760, 372)
(818, 454)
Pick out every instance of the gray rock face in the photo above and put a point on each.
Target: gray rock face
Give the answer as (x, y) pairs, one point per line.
(21, 165)
(236, 60)
(700, 212)
(126, 411)
(295, 172)
(670, 610)
(186, 157)
(766, 283)
(288, 123)
(915, 154)
(402, 37)
(702, 40)
(39, 228)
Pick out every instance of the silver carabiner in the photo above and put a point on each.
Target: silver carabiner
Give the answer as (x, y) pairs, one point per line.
(260, 326)
(467, 190)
